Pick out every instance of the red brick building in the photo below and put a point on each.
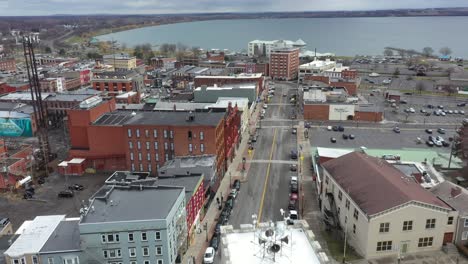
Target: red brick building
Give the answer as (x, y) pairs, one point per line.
(8, 64)
(349, 74)
(351, 85)
(226, 80)
(17, 161)
(115, 83)
(144, 141)
(6, 88)
(284, 63)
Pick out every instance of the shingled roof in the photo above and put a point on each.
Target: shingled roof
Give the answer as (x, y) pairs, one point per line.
(375, 185)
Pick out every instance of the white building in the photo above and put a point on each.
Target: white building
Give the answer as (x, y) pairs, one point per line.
(264, 47)
(336, 71)
(381, 211)
(270, 243)
(315, 67)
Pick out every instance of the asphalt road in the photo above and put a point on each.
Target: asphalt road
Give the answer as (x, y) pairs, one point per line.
(267, 188)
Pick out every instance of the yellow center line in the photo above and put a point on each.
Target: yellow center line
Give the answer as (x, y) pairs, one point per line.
(260, 210)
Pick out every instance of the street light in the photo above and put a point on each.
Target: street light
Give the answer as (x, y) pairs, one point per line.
(243, 163)
(205, 226)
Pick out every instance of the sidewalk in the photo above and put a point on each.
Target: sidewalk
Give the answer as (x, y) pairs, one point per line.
(234, 171)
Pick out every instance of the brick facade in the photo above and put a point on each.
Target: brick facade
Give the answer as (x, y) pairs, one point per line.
(8, 65)
(316, 111)
(284, 64)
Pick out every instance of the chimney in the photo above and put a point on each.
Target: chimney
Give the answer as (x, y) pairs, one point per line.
(455, 191)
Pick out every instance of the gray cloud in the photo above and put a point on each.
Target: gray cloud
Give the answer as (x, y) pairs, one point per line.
(50, 7)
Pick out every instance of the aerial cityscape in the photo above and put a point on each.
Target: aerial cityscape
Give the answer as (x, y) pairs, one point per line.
(233, 132)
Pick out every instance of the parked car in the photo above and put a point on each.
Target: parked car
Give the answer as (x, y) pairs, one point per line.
(396, 130)
(294, 188)
(329, 128)
(65, 194)
(445, 144)
(209, 256)
(292, 216)
(215, 242)
(345, 136)
(76, 187)
(229, 202)
(441, 130)
(430, 143)
(429, 131)
(236, 185)
(265, 106)
(335, 128)
(293, 154)
(461, 104)
(340, 128)
(333, 140)
(440, 106)
(294, 131)
(351, 136)
(293, 167)
(292, 205)
(437, 143)
(233, 193)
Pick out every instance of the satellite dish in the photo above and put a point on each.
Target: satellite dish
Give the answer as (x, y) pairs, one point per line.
(275, 248)
(269, 233)
(261, 241)
(285, 240)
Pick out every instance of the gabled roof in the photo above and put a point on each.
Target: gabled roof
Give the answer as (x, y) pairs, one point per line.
(375, 185)
(453, 195)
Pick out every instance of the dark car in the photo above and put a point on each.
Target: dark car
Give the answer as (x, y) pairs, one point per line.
(461, 104)
(41, 180)
(427, 114)
(215, 242)
(292, 205)
(236, 185)
(218, 228)
(403, 102)
(351, 136)
(430, 106)
(223, 219)
(408, 93)
(293, 167)
(445, 144)
(76, 187)
(430, 143)
(429, 131)
(340, 128)
(333, 140)
(345, 136)
(335, 128)
(226, 212)
(229, 202)
(65, 194)
(293, 154)
(294, 188)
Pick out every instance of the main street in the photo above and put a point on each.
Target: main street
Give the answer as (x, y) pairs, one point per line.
(266, 189)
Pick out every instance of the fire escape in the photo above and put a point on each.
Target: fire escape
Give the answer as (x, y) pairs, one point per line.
(331, 217)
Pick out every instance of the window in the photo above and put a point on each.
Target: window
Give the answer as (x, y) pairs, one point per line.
(155, 145)
(340, 195)
(132, 252)
(384, 246)
(133, 262)
(407, 225)
(384, 227)
(158, 235)
(131, 156)
(156, 156)
(138, 145)
(141, 167)
(190, 135)
(160, 261)
(339, 210)
(110, 238)
(145, 251)
(148, 156)
(190, 147)
(147, 145)
(35, 260)
(149, 167)
(356, 214)
(130, 145)
(130, 237)
(354, 229)
(146, 262)
(425, 242)
(172, 146)
(464, 235)
(465, 224)
(171, 134)
(139, 156)
(326, 179)
(133, 167)
(73, 260)
(159, 250)
(129, 132)
(137, 133)
(430, 223)
(155, 133)
(143, 236)
(165, 133)
(202, 135)
(50, 260)
(167, 157)
(346, 219)
(112, 253)
(450, 220)
(347, 204)
(165, 145)
(202, 148)
(146, 133)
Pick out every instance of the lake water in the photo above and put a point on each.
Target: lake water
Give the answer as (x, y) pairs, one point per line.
(342, 36)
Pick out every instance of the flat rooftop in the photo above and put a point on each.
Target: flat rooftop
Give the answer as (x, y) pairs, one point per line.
(191, 161)
(175, 118)
(66, 237)
(129, 203)
(238, 76)
(242, 247)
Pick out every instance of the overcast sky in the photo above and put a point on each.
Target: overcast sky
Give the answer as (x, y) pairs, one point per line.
(50, 7)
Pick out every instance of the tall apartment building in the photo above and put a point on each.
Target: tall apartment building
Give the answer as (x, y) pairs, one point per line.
(116, 228)
(121, 61)
(284, 63)
(8, 64)
(382, 211)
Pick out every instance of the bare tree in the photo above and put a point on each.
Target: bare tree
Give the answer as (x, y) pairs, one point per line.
(427, 51)
(196, 51)
(388, 52)
(451, 91)
(445, 51)
(420, 87)
(396, 73)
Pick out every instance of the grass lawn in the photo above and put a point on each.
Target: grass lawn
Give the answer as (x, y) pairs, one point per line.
(336, 248)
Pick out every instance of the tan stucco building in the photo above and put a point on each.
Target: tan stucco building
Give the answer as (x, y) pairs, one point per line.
(381, 210)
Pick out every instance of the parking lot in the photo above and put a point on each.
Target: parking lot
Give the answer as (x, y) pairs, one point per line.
(45, 200)
(373, 137)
